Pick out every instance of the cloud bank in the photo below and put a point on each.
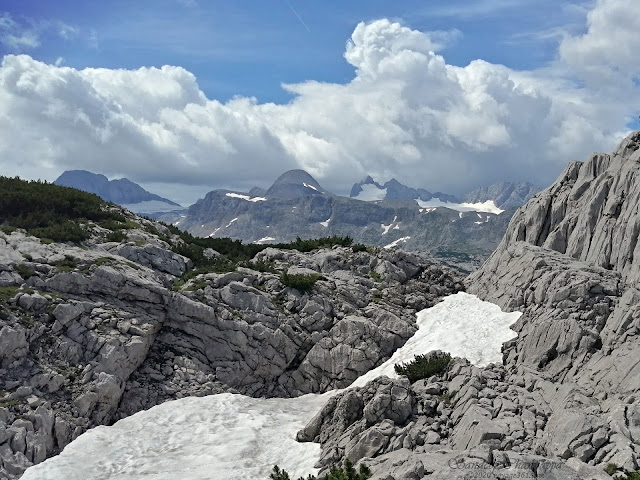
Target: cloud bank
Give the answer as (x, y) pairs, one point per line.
(406, 113)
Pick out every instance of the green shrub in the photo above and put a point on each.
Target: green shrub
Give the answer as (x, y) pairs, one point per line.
(116, 236)
(424, 366)
(67, 264)
(346, 472)
(301, 282)
(375, 276)
(359, 247)
(25, 271)
(611, 468)
(314, 244)
(633, 476)
(260, 266)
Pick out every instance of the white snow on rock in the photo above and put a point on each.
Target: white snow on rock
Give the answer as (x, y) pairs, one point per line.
(386, 228)
(396, 242)
(219, 437)
(489, 206)
(246, 197)
(230, 436)
(231, 222)
(325, 223)
(264, 240)
(370, 193)
(311, 187)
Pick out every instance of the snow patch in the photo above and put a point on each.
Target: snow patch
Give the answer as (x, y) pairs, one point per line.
(370, 193)
(212, 234)
(485, 221)
(386, 228)
(311, 187)
(229, 224)
(264, 240)
(488, 207)
(325, 223)
(246, 197)
(395, 243)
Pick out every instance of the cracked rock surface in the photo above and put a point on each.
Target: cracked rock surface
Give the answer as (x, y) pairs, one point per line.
(97, 333)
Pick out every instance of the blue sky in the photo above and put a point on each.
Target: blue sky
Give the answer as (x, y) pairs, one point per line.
(250, 47)
(184, 96)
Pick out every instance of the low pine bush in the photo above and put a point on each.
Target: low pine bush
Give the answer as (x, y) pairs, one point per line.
(424, 366)
(346, 472)
(301, 282)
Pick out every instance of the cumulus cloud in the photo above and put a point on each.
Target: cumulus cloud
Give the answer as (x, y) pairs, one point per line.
(406, 113)
(608, 54)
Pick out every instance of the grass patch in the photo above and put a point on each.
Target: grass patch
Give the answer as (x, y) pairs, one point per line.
(448, 397)
(424, 366)
(103, 261)
(197, 285)
(7, 293)
(375, 276)
(260, 266)
(9, 403)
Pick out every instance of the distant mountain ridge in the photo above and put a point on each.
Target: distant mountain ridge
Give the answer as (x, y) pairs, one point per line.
(369, 189)
(296, 205)
(504, 194)
(121, 191)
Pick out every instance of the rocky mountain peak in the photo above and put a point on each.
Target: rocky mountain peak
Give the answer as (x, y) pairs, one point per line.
(121, 191)
(295, 183)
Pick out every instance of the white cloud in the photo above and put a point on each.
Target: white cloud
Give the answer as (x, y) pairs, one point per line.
(608, 54)
(405, 114)
(15, 36)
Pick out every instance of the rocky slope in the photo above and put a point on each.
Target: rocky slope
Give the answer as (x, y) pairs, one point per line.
(93, 333)
(565, 402)
(122, 191)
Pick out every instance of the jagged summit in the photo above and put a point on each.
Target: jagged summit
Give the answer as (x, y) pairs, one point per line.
(121, 191)
(504, 194)
(294, 184)
(369, 190)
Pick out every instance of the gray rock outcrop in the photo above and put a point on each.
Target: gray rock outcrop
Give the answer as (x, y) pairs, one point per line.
(93, 334)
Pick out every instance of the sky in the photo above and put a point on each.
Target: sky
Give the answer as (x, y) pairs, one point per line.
(185, 96)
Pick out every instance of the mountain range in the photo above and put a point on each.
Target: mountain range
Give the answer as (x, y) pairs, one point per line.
(461, 233)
